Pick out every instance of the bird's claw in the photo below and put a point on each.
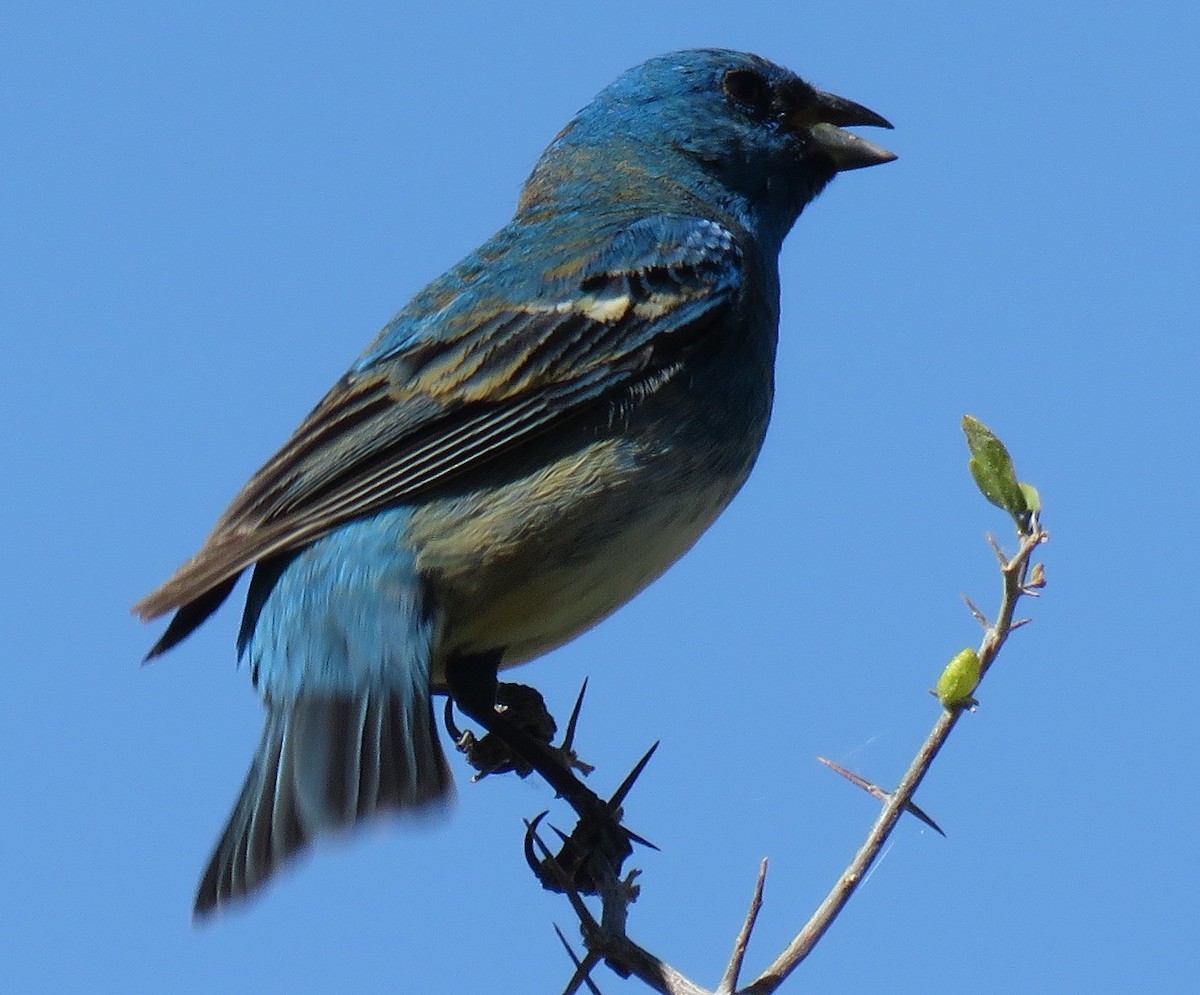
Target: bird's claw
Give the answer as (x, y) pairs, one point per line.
(526, 708)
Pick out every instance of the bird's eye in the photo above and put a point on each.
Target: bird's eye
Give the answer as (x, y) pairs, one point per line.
(749, 91)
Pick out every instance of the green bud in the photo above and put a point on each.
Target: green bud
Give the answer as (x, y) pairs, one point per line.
(959, 680)
(1033, 500)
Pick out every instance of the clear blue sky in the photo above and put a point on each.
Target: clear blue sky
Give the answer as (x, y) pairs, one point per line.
(209, 208)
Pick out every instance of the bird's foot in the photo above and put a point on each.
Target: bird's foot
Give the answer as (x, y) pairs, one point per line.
(524, 708)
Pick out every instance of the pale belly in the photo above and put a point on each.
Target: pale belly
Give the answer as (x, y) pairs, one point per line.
(534, 564)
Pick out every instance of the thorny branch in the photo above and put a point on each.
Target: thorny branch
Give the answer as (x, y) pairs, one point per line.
(607, 940)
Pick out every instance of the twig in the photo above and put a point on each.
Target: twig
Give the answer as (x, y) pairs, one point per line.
(730, 979)
(1013, 572)
(607, 938)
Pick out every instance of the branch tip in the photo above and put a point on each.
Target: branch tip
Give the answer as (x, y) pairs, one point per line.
(729, 980)
(607, 939)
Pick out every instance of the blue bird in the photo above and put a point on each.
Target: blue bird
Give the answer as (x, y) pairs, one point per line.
(537, 436)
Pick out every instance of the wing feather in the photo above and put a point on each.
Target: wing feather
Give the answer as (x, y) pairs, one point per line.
(441, 395)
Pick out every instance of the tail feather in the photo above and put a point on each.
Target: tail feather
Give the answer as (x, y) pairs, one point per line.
(323, 765)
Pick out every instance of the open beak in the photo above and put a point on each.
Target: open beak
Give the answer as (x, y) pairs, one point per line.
(827, 114)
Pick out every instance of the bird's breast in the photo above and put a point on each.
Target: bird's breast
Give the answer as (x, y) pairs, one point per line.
(527, 563)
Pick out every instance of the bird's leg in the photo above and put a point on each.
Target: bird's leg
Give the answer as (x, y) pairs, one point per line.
(472, 683)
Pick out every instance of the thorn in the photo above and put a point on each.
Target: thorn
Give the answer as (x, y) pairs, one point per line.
(1017, 623)
(853, 778)
(635, 838)
(583, 968)
(618, 797)
(569, 736)
(530, 835)
(567, 748)
(614, 803)
(878, 793)
(586, 919)
(1000, 554)
(911, 807)
(980, 617)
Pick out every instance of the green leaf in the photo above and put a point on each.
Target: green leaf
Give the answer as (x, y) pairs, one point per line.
(959, 680)
(992, 468)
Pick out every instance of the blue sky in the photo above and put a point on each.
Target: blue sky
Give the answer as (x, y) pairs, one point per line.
(209, 208)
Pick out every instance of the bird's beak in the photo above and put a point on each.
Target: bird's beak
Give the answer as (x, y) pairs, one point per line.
(825, 114)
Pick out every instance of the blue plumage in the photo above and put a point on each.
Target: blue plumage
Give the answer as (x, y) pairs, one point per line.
(538, 435)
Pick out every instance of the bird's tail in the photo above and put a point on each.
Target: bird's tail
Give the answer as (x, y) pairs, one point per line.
(323, 765)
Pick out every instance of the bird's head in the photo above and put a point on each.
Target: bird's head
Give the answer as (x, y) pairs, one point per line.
(727, 126)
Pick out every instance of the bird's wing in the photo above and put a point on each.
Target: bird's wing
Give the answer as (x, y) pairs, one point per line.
(465, 377)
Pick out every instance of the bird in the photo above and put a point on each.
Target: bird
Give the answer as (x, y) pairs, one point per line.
(538, 435)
